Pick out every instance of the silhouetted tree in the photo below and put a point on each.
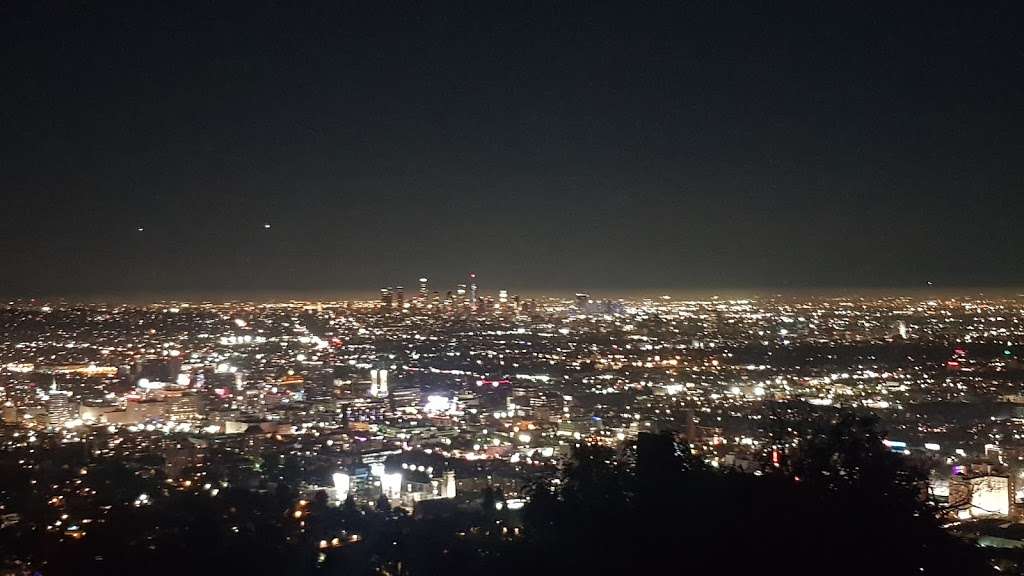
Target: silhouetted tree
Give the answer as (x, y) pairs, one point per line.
(845, 494)
(349, 506)
(487, 500)
(383, 504)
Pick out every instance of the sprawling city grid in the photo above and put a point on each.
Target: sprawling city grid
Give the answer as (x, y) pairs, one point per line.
(426, 399)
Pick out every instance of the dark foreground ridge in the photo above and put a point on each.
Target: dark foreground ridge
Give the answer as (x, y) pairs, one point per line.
(839, 504)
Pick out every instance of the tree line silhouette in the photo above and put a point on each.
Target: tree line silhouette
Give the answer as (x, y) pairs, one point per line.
(841, 503)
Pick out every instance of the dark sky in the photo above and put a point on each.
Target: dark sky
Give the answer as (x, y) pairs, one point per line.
(543, 145)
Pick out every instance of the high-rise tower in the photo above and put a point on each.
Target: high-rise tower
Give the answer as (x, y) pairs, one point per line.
(472, 290)
(59, 409)
(379, 382)
(448, 484)
(424, 291)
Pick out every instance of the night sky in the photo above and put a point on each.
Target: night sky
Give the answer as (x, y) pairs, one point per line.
(544, 146)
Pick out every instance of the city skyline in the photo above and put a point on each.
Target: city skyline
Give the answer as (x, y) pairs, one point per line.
(511, 288)
(565, 293)
(333, 422)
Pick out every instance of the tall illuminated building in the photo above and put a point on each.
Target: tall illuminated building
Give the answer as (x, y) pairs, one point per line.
(424, 291)
(472, 290)
(400, 296)
(342, 485)
(59, 408)
(582, 302)
(901, 327)
(379, 382)
(447, 488)
(185, 408)
(386, 297)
